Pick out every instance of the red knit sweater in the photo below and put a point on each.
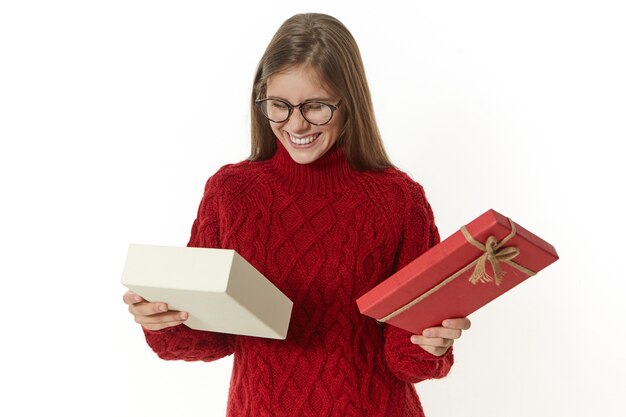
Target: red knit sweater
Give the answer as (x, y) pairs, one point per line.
(324, 234)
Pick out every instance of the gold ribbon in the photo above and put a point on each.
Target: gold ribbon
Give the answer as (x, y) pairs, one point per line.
(493, 252)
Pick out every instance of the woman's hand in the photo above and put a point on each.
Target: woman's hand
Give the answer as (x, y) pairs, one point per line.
(153, 316)
(437, 340)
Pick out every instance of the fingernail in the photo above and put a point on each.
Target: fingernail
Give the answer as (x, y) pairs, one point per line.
(414, 340)
(428, 333)
(137, 298)
(183, 316)
(445, 323)
(162, 308)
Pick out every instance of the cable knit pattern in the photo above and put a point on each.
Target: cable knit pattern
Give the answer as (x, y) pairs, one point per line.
(324, 234)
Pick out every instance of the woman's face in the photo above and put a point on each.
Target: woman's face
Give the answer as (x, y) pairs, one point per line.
(304, 141)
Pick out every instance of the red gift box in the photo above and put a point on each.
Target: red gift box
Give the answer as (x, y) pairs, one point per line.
(456, 277)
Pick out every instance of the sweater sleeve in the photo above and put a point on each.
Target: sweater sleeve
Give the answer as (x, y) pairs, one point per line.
(407, 361)
(181, 342)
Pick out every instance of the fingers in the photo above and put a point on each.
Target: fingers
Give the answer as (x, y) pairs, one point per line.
(146, 308)
(131, 298)
(138, 305)
(153, 315)
(432, 341)
(442, 332)
(434, 345)
(460, 324)
(437, 340)
(163, 320)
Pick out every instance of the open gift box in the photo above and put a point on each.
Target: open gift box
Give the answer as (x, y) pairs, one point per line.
(478, 263)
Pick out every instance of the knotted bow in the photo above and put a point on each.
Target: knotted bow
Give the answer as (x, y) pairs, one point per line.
(494, 255)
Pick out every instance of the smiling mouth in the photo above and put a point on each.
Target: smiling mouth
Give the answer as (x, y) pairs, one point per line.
(303, 140)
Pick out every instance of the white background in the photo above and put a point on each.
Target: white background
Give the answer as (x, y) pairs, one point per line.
(113, 115)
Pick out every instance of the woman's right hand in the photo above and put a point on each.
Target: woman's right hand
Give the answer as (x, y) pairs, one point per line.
(153, 316)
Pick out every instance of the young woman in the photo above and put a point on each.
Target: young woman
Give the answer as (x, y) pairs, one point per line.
(319, 209)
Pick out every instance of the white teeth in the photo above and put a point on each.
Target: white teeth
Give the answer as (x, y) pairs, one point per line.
(302, 141)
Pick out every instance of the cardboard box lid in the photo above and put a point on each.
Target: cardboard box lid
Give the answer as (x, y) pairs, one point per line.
(458, 298)
(219, 289)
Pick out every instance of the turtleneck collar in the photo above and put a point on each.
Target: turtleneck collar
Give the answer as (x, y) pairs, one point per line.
(330, 173)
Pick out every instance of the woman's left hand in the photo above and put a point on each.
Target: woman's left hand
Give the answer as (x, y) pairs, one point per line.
(437, 340)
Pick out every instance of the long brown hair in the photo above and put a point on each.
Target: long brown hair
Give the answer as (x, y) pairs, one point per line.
(325, 44)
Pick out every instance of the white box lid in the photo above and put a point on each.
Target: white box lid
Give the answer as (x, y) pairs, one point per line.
(219, 289)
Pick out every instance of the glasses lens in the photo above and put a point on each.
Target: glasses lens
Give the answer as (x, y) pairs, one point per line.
(275, 110)
(317, 113)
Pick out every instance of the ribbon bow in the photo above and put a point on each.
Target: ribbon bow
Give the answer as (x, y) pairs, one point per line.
(492, 254)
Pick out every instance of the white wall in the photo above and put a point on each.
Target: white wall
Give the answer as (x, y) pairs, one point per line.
(113, 114)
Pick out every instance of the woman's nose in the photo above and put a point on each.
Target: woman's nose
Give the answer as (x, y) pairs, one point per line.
(297, 122)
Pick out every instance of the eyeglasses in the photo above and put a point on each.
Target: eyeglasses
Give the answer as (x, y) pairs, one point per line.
(279, 111)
